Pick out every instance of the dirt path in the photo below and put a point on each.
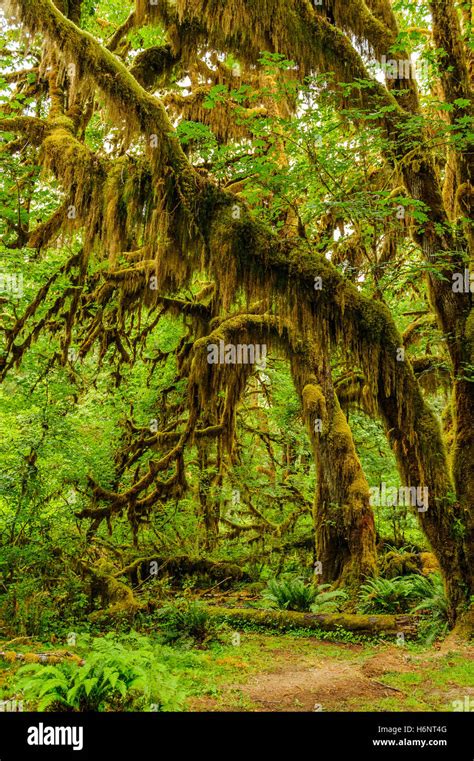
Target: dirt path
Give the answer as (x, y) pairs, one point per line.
(312, 689)
(328, 685)
(354, 678)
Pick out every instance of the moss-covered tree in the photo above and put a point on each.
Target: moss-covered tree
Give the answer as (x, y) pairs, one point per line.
(151, 216)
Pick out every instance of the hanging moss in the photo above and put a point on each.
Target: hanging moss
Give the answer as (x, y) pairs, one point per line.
(189, 225)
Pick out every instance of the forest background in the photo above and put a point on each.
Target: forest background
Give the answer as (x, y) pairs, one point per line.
(181, 179)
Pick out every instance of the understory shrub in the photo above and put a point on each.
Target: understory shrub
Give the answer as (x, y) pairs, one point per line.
(415, 593)
(295, 594)
(38, 611)
(430, 592)
(399, 561)
(187, 622)
(385, 595)
(114, 677)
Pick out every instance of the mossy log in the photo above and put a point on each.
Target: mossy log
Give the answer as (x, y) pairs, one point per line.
(185, 565)
(286, 619)
(50, 658)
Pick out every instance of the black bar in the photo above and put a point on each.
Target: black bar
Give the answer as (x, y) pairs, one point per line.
(165, 735)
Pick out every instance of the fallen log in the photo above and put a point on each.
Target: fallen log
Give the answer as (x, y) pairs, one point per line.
(10, 657)
(393, 624)
(184, 565)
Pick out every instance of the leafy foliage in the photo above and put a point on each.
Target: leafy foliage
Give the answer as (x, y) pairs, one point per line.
(385, 595)
(430, 592)
(114, 677)
(417, 593)
(295, 594)
(187, 622)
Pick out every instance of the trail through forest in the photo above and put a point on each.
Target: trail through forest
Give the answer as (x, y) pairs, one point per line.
(313, 675)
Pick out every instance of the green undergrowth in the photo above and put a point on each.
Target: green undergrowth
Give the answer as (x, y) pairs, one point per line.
(159, 677)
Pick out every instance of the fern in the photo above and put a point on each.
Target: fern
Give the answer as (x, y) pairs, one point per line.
(430, 592)
(187, 622)
(294, 594)
(328, 602)
(420, 594)
(385, 595)
(113, 678)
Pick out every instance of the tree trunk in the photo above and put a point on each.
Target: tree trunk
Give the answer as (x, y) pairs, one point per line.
(344, 520)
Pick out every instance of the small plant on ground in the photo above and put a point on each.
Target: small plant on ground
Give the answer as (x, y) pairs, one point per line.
(414, 593)
(385, 595)
(430, 592)
(295, 594)
(328, 601)
(187, 622)
(290, 594)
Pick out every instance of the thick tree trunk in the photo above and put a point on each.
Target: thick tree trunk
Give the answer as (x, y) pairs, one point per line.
(463, 472)
(343, 517)
(422, 462)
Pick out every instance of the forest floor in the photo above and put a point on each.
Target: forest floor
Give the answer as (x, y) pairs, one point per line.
(256, 669)
(281, 672)
(295, 671)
